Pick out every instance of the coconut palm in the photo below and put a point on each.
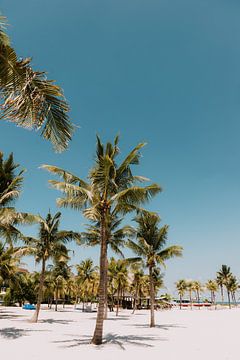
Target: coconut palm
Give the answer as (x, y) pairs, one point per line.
(212, 286)
(86, 273)
(197, 288)
(112, 189)
(232, 286)
(61, 274)
(150, 247)
(10, 188)
(190, 289)
(9, 262)
(29, 99)
(115, 235)
(137, 274)
(120, 280)
(49, 245)
(223, 276)
(181, 286)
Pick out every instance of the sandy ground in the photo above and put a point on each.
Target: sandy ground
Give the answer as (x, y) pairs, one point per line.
(197, 334)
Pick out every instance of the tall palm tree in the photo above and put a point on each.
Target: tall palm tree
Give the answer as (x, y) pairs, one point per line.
(49, 245)
(29, 99)
(212, 286)
(150, 247)
(112, 189)
(223, 276)
(115, 235)
(181, 286)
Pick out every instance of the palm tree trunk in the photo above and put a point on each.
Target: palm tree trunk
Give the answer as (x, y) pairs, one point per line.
(118, 301)
(229, 301)
(180, 301)
(56, 301)
(214, 300)
(198, 299)
(221, 287)
(98, 332)
(135, 299)
(190, 297)
(106, 294)
(34, 319)
(152, 298)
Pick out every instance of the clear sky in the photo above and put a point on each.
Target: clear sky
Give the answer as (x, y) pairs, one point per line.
(162, 71)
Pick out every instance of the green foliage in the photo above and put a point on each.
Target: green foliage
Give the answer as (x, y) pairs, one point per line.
(29, 99)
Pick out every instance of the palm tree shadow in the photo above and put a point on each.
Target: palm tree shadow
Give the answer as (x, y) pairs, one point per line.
(13, 333)
(162, 326)
(119, 340)
(8, 314)
(54, 321)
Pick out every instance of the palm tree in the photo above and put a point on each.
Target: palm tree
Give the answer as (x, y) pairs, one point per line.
(49, 245)
(190, 288)
(212, 286)
(120, 280)
(115, 235)
(223, 276)
(150, 247)
(86, 274)
(61, 274)
(10, 188)
(181, 286)
(232, 286)
(9, 262)
(197, 288)
(112, 189)
(29, 99)
(138, 274)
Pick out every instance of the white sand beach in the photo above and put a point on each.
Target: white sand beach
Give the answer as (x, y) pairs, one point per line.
(198, 334)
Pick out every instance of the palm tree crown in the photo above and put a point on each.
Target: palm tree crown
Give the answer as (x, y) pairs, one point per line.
(112, 190)
(150, 246)
(29, 99)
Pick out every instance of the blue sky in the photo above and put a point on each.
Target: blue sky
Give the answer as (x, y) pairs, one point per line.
(162, 71)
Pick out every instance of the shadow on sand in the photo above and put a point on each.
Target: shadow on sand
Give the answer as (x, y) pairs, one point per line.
(162, 326)
(8, 315)
(119, 340)
(13, 333)
(54, 321)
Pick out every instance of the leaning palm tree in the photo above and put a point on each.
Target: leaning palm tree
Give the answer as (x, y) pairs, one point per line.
(49, 245)
(29, 99)
(112, 189)
(212, 286)
(150, 247)
(181, 286)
